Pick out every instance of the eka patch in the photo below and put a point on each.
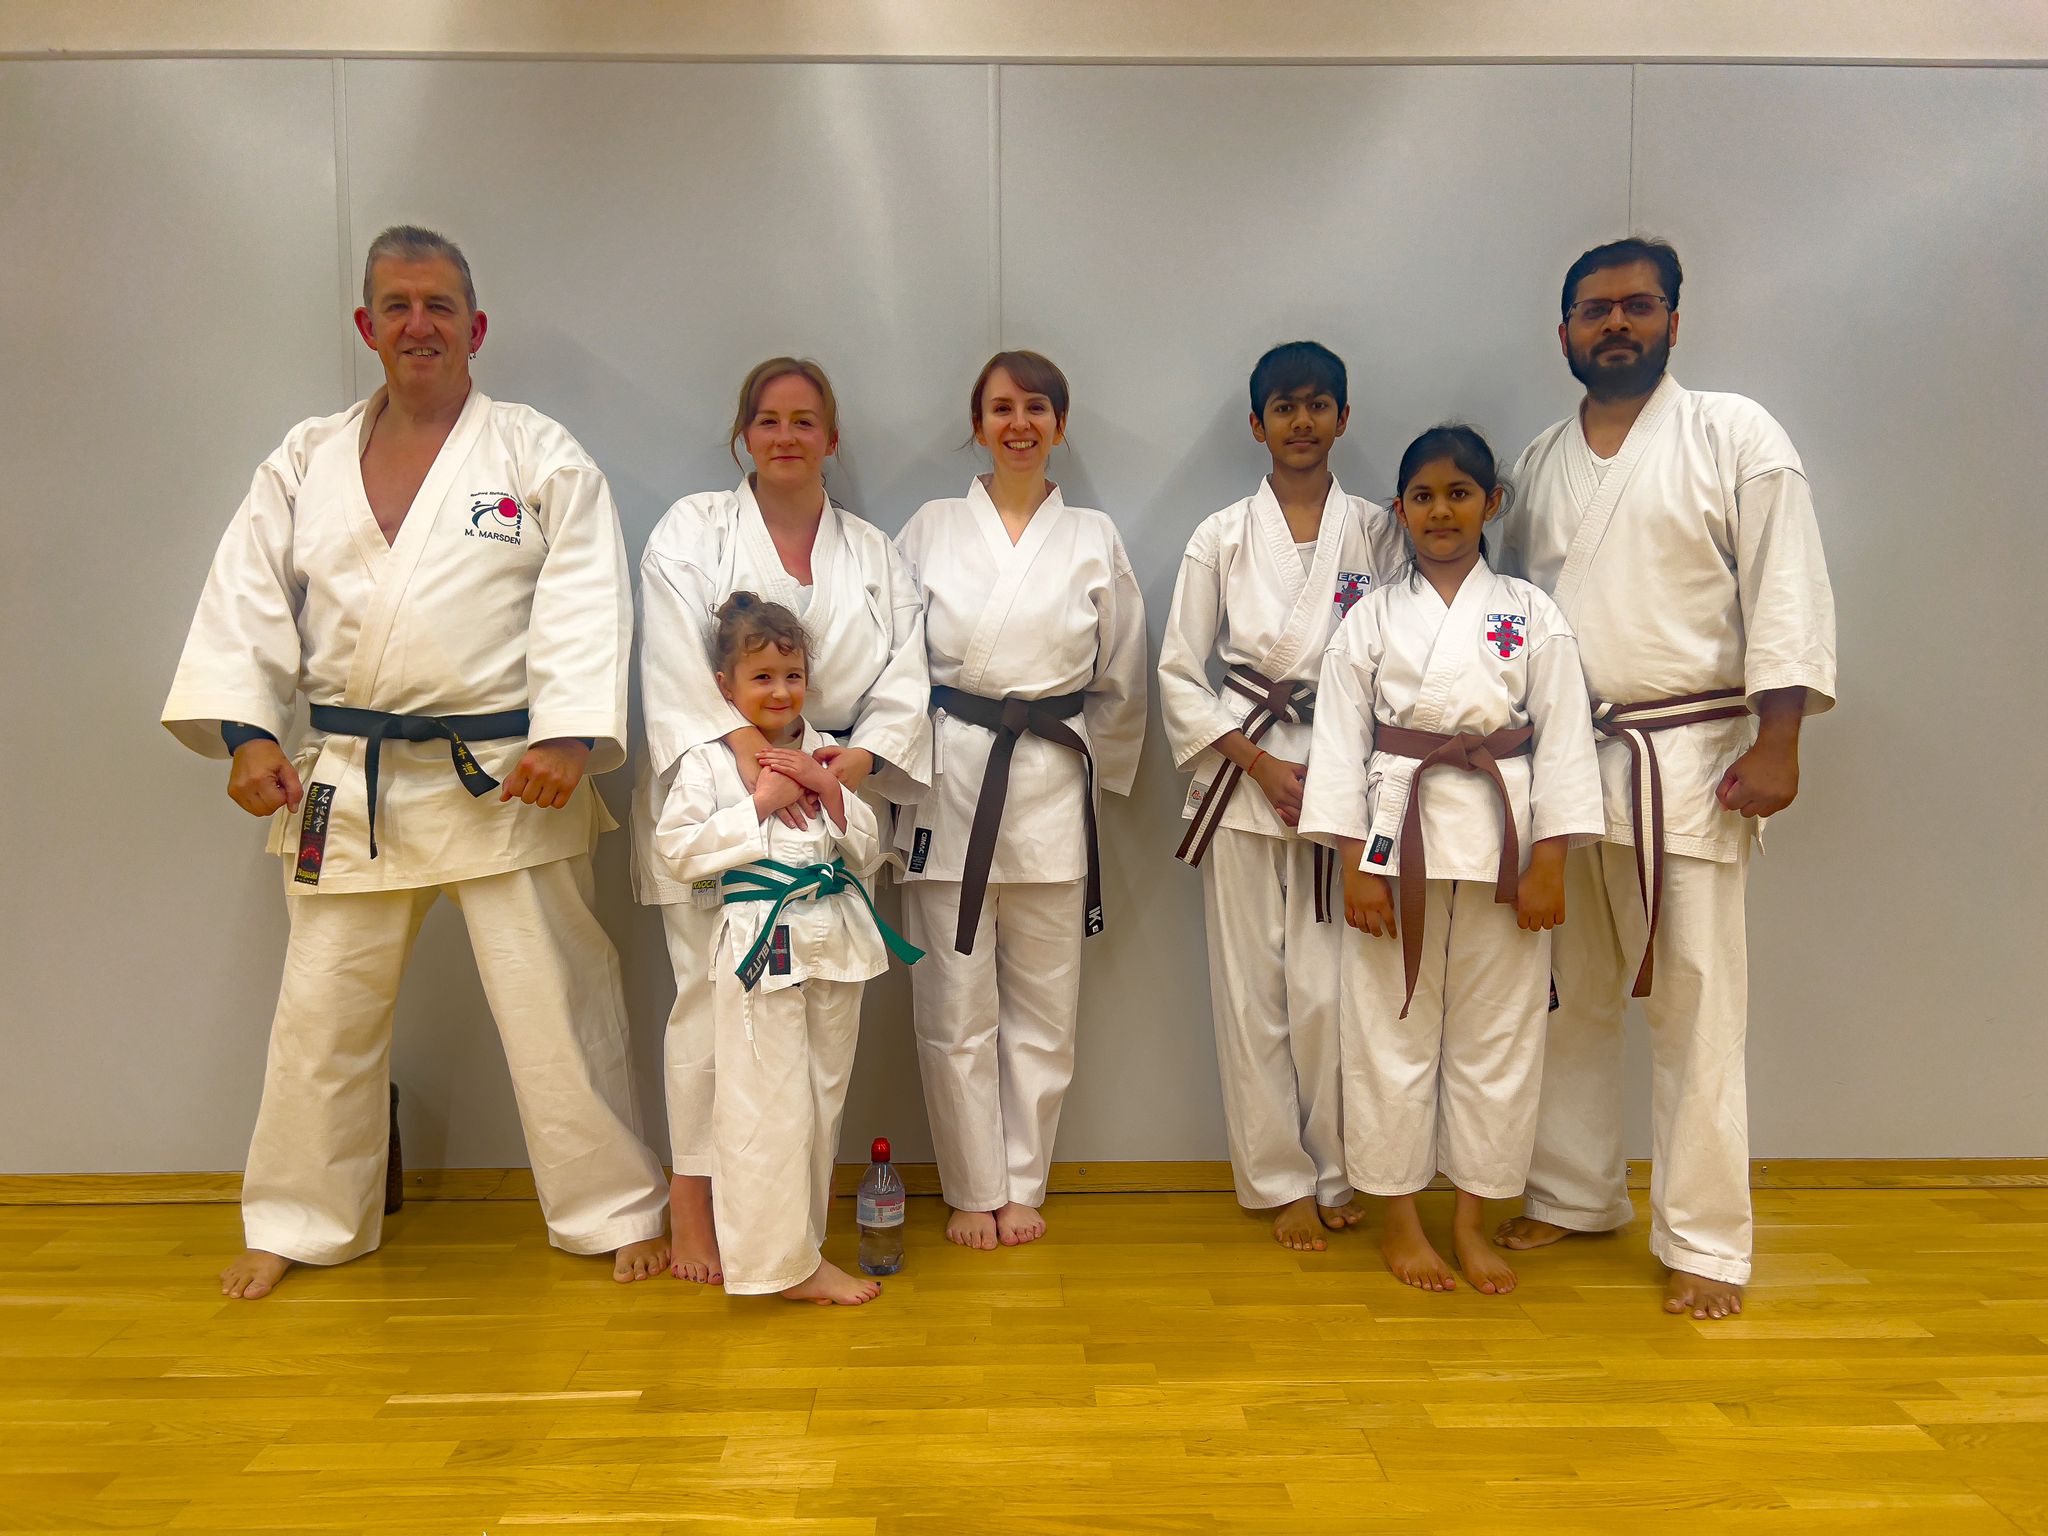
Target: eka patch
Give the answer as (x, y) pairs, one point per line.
(1506, 633)
(495, 515)
(778, 951)
(1351, 587)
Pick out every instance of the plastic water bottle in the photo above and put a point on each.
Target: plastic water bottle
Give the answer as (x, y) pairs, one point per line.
(879, 1209)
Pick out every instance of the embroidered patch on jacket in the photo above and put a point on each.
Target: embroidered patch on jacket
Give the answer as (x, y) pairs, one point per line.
(920, 850)
(1553, 995)
(495, 515)
(778, 951)
(1507, 633)
(1197, 793)
(1351, 587)
(1382, 846)
(313, 833)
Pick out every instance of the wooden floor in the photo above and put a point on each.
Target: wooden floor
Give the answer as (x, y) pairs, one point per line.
(1156, 1364)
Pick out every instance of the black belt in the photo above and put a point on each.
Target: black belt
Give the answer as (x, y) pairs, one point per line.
(377, 727)
(1010, 718)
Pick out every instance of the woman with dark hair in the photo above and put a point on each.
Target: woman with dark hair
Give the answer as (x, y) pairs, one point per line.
(1036, 634)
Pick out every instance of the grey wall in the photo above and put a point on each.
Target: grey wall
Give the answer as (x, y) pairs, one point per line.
(179, 238)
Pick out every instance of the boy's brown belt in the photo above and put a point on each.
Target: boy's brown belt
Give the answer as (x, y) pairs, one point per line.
(1633, 725)
(1472, 753)
(1010, 718)
(1271, 704)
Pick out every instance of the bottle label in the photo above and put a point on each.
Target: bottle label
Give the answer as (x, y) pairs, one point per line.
(879, 1210)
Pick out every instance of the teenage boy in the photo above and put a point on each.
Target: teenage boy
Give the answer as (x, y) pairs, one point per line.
(1262, 586)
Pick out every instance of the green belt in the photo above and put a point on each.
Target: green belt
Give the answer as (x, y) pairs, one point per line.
(770, 880)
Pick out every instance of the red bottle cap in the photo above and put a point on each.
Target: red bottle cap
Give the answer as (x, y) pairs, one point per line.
(879, 1152)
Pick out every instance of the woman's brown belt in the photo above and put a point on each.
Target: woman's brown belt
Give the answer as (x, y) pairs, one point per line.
(1471, 753)
(1010, 718)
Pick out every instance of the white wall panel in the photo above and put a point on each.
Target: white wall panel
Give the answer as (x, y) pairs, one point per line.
(1863, 256)
(641, 236)
(1862, 248)
(1161, 228)
(166, 314)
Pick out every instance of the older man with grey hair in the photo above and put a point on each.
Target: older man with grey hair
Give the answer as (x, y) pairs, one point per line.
(441, 577)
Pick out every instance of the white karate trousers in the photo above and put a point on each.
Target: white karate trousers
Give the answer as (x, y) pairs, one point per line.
(314, 1189)
(690, 1044)
(995, 1032)
(1453, 1087)
(783, 1062)
(1699, 1019)
(1273, 993)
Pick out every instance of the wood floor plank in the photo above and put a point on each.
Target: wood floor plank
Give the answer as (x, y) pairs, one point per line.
(1157, 1363)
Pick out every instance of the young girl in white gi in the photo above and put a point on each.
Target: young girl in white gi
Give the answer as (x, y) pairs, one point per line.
(1453, 749)
(1261, 587)
(796, 938)
(780, 534)
(1036, 635)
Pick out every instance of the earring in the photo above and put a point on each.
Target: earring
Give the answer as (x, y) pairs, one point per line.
(472, 357)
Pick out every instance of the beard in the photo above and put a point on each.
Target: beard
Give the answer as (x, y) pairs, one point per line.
(1621, 375)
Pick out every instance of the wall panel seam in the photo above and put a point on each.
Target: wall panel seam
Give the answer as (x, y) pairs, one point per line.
(995, 208)
(1635, 72)
(344, 232)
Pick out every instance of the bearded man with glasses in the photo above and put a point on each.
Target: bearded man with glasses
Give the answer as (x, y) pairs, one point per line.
(1676, 531)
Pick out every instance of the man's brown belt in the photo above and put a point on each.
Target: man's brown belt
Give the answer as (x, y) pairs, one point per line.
(1010, 718)
(1470, 753)
(1633, 725)
(1271, 704)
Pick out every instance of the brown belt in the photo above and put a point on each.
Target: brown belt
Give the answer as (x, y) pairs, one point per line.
(1010, 718)
(1633, 725)
(1272, 703)
(1470, 753)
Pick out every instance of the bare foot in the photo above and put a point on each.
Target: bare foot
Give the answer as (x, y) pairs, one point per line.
(1019, 1224)
(640, 1261)
(1481, 1261)
(831, 1286)
(1525, 1232)
(1338, 1217)
(1702, 1297)
(1296, 1227)
(1408, 1252)
(694, 1254)
(254, 1275)
(972, 1229)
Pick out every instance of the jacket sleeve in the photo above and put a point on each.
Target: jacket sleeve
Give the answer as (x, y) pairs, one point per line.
(1114, 709)
(580, 633)
(1333, 801)
(695, 837)
(1194, 715)
(242, 654)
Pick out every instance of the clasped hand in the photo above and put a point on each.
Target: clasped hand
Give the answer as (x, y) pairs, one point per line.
(1283, 782)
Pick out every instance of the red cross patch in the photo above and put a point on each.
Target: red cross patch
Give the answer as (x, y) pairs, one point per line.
(1505, 634)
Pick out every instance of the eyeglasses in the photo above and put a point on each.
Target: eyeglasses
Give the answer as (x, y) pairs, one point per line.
(1637, 306)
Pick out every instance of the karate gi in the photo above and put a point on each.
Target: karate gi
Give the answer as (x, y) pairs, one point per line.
(505, 589)
(1059, 613)
(783, 1050)
(1244, 598)
(868, 688)
(1452, 1087)
(1688, 564)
